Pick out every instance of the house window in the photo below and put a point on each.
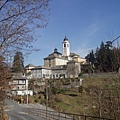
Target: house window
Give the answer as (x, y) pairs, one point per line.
(23, 81)
(56, 76)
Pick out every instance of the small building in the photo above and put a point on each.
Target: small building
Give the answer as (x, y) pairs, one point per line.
(73, 69)
(41, 72)
(19, 85)
(77, 58)
(28, 69)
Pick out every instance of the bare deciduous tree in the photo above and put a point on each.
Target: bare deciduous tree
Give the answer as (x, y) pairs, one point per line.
(18, 18)
(4, 74)
(106, 99)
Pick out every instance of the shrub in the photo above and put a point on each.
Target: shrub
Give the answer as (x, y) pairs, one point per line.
(36, 100)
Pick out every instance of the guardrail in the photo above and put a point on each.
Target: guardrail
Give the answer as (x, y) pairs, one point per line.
(53, 115)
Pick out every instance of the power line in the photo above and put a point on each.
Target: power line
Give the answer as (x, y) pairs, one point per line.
(109, 43)
(115, 39)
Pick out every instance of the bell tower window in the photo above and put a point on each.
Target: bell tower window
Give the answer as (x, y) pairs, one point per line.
(64, 45)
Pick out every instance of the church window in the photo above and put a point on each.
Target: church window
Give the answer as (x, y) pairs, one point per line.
(67, 45)
(64, 45)
(43, 75)
(49, 63)
(53, 76)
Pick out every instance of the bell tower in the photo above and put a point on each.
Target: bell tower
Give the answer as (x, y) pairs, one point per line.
(66, 47)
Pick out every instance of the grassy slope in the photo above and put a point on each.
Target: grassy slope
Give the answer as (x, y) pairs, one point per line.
(73, 101)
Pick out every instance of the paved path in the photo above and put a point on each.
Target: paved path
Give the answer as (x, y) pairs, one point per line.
(37, 106)
(15, 112)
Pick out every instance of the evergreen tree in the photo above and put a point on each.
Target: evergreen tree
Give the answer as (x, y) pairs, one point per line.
(102, 58)
(105, 59)
(117, 57)
(90, 57)
(96, 57)
(18, 63)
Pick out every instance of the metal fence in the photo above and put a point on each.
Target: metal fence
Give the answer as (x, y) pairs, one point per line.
(53, 115)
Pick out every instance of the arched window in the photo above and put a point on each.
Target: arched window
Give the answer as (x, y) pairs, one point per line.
(64, 45)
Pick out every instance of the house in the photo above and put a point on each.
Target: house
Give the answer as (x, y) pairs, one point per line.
(19, 85)
(28, 68)
(57, 65)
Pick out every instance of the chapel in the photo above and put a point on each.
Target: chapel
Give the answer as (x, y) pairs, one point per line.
(56, 58)
(58, 65)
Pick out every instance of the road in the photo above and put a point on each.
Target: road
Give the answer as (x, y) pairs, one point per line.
(15, 112)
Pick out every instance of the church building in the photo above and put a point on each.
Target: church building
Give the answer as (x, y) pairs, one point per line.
(59, 65)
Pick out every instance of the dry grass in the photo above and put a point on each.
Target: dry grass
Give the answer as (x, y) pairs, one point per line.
(73, 102)
(3, 115)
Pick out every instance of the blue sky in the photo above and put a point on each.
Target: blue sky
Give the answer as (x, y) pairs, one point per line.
(84, 22)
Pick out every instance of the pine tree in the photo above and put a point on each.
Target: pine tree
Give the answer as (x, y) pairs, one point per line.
(105, 59)
(90, 57)
(18, 63)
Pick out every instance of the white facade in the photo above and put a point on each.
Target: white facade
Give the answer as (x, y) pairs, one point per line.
(61, 61)
(19, 85)
(23, 92)
(36, 73)
(40, 72)
(46, 72)
(66, 47)
(59, 73)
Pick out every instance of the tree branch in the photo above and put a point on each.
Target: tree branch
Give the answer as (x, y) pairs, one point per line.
(4, 4)
(24, 12)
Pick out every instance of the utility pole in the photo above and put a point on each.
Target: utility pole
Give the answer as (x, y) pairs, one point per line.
(46, 97)
(27, 89)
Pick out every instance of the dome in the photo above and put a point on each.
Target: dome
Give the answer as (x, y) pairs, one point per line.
(65, 39)
(55, 50)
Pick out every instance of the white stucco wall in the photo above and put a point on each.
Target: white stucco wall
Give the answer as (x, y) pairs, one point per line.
(36, 73)
(60, 61)
(46, 73)
(23, 92)
(66, 48)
